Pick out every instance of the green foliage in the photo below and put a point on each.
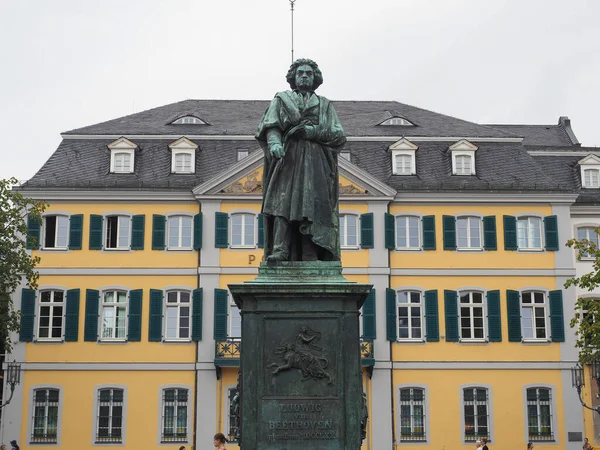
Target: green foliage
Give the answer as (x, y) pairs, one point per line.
(15, 261)
(587, 310)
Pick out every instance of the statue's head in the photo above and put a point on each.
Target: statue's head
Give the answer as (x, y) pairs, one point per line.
(303, 71)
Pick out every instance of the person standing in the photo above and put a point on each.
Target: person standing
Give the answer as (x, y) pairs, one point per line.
(14, 445)
(587, 445)
(219, 441)
(484, 442)
(530, 446)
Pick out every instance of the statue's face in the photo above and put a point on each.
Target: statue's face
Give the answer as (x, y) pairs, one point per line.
(305, 78)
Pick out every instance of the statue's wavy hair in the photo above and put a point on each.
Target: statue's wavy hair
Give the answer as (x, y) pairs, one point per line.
(291, 75)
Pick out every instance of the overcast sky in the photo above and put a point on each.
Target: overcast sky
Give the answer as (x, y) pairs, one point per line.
(71, 63)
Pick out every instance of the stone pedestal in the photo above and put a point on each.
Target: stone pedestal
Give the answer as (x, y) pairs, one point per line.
(301, 385)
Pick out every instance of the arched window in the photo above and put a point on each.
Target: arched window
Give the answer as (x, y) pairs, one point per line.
(51, 311)
(534, 321)
(55, 232)
(45, 416)
(410, 315)
(408, 232)
(180, 236)
(476, 414)
(539, 414)
(174, 422)
(468, 233)
(589, 234)
(109, 416)
(472, 316)
(412, 415)
(114, 315)
(529, 233)
(178, 315)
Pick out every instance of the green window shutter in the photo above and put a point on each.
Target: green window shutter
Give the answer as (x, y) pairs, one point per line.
(33, 232)
(92, 300)
(494, 320)
(72, 316)
(428, 224)
(198, 231)
(513, 309)
(489, 233)
(557, 321)
(220, 320)
(158, 231)
(134, 331)
(197, 315)
(451, 310)
(449, 232)
(432, 326)
(368, 317)
(156, 316)
(27, 315)
(390, 235)
(138, 223)
(221, 230)
(75, 231)
(551, 232)
(261, 231)
(367, 238)
(391, 309)
(95, 232)
(510, 234)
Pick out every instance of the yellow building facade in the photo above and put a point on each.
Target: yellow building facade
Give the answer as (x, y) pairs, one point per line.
(132, 339)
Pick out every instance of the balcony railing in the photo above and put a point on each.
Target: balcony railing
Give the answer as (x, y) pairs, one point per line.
(227, 352)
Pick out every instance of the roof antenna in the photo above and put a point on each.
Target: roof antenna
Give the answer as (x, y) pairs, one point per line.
(292, 10)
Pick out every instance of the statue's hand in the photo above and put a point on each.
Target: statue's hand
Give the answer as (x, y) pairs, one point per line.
(276, 150)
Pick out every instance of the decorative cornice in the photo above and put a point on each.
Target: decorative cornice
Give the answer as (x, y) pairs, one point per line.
(465, 197)
(113, 196)
(585, 210)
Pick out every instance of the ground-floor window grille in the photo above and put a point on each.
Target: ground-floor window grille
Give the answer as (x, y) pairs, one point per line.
(110, 416)
(233, 415)
(45, 416)
(175, 410)
(539, 414)
(412, 414)
(476, 414)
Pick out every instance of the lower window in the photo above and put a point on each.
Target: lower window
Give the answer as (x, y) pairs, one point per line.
(233, 415)
(412, 414)
(45, 416)
(476, 414)
(174, 415)
(539, 414)
(110, 416)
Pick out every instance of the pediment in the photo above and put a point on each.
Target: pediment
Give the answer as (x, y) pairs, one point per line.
(183, 143)
(245, 179)
(590, 159)
(122, 143)
(403, 144)
(463, 145)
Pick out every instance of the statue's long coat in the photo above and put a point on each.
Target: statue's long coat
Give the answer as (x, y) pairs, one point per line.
(303, 185)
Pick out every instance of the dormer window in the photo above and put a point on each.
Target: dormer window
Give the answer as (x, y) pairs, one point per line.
(590, 172)
(122, 156)
(403, 157)
(463, 157)
(399, 121)
(183, 156)
(189, 120)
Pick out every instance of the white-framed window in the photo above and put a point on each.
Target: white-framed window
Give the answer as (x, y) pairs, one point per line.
(243, 230)
(476, 414)
(463, 164)
(233, 409)
(189, 120)
(591, 178)
(534, 323)
(468, 233)
(109, 416)
(539, 414)
(51, 310)
(472, 316)
(122, 155)
(412, 415)
(174, 417)
(55, 232)
(408, 233)
(589, 234)
(399, 121)
(178, 315)
(403, 162)
(410, 315)
(114, 315)
(117, 232)
(348, 231)
(45, 416)
(183, 161)
(529, 233)
(180, 231)
(242, 153)
(235, 320)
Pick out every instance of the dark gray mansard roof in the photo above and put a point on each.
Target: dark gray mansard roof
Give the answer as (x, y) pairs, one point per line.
(84, 163)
